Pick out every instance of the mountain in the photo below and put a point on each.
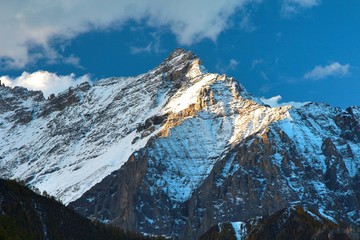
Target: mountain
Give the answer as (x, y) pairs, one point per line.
(26, 215)
(178, 150)
(288, 223)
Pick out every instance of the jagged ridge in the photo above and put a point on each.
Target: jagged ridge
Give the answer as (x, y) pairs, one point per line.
(186, 150)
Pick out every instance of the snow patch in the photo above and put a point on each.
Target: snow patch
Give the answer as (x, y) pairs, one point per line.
(239, 229)
(188, 94)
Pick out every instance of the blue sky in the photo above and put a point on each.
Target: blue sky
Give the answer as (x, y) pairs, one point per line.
(283, 50)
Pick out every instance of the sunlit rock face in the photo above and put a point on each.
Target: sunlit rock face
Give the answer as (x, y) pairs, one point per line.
(177, 150)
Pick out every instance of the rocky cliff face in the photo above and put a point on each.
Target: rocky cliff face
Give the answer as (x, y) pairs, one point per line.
(178, 150)
(66, 144)
(288, 223)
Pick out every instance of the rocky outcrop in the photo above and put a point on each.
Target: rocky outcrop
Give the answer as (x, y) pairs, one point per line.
(288, 223)
(177, 150)
(259, 175)
(79, 134)
(65, 99)
(13, 107)
(349, 125)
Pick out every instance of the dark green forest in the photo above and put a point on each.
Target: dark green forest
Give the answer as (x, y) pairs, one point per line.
(27, 215)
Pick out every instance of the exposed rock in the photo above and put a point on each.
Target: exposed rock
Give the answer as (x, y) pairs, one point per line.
(289, 223)
(349, 125)
(177, 150)
(85, 128)
(19, 105)
(260, 175)
(65, 99)
(329, 150)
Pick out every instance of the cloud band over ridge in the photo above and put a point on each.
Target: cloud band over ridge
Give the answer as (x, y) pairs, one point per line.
(45, 81)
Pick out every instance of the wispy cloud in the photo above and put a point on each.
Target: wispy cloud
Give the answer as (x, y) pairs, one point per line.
(231, 66)
(246, 23)
(153, 46)
(334, 69)
(45, 81)
(28, 23)
(263, 75)
(72, 60)
(147, 49)
(290, 7)
(256, 62)
(265, 88)
(276, 102)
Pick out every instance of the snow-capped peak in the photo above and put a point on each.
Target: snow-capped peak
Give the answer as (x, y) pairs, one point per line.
(179, 135)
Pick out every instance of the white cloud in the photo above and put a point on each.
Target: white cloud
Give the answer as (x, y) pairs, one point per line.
(45, 81)
(276, 102)
(35, 22)
(331, 70)
(290, 7)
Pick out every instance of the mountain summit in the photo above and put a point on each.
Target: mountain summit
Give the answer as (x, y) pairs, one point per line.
(177, 150)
